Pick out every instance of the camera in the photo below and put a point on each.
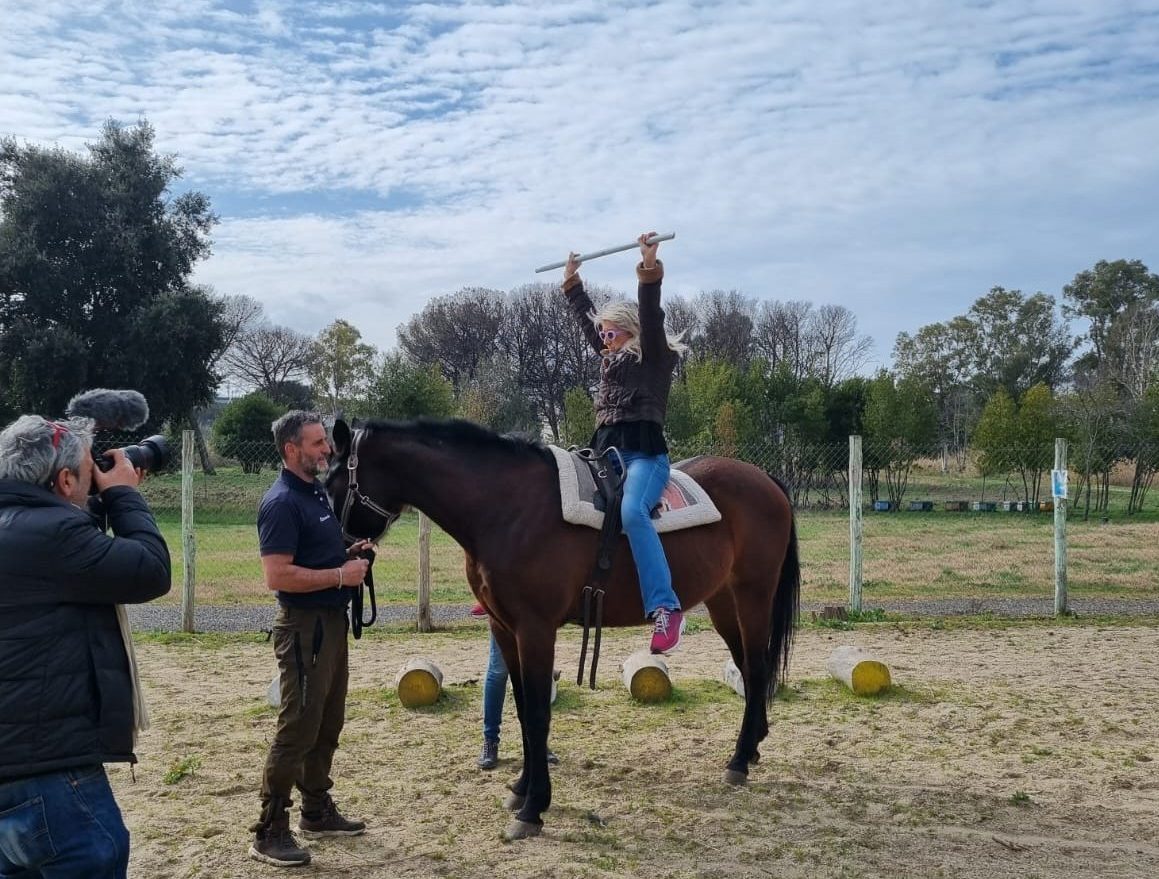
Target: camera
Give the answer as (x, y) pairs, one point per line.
(121, 410)
(150, 454)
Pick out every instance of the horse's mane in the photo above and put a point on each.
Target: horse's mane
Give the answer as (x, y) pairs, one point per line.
(461, 432)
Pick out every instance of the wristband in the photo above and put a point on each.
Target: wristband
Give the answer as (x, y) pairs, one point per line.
(339, 578)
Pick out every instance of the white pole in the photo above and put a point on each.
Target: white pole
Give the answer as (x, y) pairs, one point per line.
(188, 548)
(855, 524)
(596, 254)
(1059, 532)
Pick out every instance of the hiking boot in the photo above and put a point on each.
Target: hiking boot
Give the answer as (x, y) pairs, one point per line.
(667, 627)
(489, 756)
(479, 612)
(274, 843)
(328, 821)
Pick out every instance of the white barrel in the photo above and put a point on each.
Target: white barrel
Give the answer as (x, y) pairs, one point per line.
(733, 677)
(860, 671)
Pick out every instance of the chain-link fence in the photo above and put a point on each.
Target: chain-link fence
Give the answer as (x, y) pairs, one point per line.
(937, 524)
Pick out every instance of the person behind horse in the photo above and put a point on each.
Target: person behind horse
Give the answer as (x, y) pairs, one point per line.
(631, 403)
(494, 694)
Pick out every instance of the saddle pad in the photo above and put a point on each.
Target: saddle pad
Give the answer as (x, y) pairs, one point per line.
(682, 505)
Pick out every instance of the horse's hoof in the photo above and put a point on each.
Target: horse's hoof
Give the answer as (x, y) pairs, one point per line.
(521, 830)
(731, 776)
(514, 802)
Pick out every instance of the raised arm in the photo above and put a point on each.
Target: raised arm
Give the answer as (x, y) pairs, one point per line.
(579, 303)
(650, 273)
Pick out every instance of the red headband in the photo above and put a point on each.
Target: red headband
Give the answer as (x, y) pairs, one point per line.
(58, 430)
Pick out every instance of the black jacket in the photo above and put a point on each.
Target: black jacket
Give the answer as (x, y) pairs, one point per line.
(65, 689)
(631, 389)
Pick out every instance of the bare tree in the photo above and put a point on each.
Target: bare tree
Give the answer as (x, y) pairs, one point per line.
(266, 356)
(726, 318)
(456, 332)
(837, 351)
(781, 335)
(546, 347)
(1132, 347)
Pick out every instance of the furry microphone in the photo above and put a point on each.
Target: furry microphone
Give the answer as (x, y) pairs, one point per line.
(111, 410)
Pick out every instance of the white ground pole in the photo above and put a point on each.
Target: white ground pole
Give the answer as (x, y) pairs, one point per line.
(607, 251)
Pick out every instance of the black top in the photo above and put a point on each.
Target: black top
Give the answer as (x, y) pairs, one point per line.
(631, 436)
(295, 518)
(65, 691)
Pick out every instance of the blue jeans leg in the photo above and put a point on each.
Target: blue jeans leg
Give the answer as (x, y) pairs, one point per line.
(494, 692)
(647, 477)
(62, 825)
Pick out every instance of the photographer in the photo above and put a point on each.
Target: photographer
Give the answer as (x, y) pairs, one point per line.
(70, 700)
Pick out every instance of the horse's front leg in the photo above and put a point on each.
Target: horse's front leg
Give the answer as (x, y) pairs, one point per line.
(536, 657)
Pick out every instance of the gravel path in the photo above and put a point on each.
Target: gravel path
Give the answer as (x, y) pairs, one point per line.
(257, 618)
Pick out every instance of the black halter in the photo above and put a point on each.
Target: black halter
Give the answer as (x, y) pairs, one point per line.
(354, 493)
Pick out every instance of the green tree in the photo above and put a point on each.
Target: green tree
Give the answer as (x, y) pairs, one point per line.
(579, 417)
(1102, 295)
(404, 390)
(341, 365)
(1037, 428)
(494, 397)
(242, 431)
(900, 426)
(96, 255)
(995, 436)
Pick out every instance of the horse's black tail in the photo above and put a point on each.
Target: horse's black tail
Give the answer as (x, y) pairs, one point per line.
(786, 609)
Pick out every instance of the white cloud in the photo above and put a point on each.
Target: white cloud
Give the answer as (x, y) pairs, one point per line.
(899, 158)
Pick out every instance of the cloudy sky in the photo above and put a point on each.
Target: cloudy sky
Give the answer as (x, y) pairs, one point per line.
(898, 157)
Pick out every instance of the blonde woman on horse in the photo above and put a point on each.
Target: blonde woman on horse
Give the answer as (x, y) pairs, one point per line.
(638, 360)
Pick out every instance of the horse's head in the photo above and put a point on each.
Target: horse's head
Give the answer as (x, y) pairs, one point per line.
(362, 490)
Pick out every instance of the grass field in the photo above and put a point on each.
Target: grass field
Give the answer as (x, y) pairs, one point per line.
(906, 556)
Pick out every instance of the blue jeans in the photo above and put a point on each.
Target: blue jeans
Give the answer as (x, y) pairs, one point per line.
(62, 825)
(647, 477)
(494, 692)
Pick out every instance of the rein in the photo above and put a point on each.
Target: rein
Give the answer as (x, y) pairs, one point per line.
(354, 494)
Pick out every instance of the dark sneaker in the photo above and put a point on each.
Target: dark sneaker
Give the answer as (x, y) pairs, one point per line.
(552, 758)
(328, 821)
(489, 756)
(275, 844)
(479, 612)
(667, 627)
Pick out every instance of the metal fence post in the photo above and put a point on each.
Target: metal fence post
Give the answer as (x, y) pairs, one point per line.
(424, 590)
(188, 549)
(1059, 532)
(855, 524)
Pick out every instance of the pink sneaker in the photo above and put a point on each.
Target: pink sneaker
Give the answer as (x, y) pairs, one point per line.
(667, 627)
(479, 612)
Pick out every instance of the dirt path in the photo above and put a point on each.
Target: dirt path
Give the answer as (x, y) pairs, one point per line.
(1019, 751)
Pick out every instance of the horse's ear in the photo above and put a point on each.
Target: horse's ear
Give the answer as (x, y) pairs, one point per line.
(341, 438)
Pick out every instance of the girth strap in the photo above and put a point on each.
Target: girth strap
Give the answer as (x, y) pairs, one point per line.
(611, 487)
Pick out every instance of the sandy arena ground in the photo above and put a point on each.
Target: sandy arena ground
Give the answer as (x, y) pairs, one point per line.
(1003, 751)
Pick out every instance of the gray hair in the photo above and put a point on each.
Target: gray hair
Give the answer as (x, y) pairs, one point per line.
(288, 428)
(27, 453)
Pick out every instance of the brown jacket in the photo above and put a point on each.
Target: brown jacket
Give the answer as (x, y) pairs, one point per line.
(630, 389)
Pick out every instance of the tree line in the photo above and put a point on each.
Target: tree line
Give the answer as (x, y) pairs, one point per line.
(97, 254)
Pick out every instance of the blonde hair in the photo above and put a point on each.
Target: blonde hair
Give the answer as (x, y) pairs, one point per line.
(626, 315)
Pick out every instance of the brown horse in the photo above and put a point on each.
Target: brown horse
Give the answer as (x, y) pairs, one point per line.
(498, 497)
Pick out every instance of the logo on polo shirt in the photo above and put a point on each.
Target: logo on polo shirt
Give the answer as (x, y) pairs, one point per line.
(324, 518)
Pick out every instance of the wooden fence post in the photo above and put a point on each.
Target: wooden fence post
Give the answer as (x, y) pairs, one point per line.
(188, 547)
(424, 574)
(855, 524)
(1059, 531)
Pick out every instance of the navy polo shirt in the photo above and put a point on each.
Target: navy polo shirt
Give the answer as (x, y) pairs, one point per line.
(295, 518)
